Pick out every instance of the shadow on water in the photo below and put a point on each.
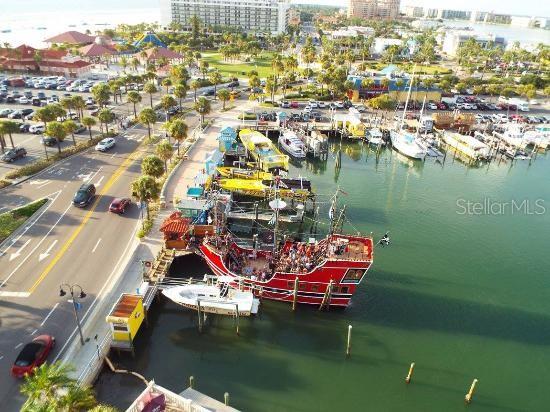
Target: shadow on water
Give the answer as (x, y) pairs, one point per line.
(413, 310)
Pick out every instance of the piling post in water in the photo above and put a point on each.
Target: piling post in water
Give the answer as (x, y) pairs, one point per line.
(470, 394)
(348, 346)
(199, 314)
(191, 381)
(295, 294)
(237, 316)
(226, 398)
(410, 374)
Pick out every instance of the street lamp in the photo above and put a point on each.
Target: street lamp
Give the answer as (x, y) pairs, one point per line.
(81, 295)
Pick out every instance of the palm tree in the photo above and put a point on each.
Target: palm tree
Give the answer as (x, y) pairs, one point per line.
(146, 189)
(134, 98)
(106, 116)
(167, 102)
(134, 63)
(101, 93)
(150, 88)
(70, 127)
(164, 152)
(123, 63)
(56, 129)
(89, 122)
(178, 130)
(215, 77)
(166, 83)
(203, 67)
(43, 386)
(152, 166)
(67, 103)
(224, 96)
(202, 106)
(147, 117)
(8, 127)
(180, 91)
(195, 85)
(45, 115)
(79, 104)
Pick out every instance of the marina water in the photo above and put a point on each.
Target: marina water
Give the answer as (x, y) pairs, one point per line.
(464, 295)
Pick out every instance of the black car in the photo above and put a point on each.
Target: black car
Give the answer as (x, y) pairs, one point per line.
(84, 195)
(80, 128)
(48, 140)
(24, 128)
(41, 95)
(10, 99)
(14, 154)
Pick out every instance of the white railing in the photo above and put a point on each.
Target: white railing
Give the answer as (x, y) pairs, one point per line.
(95, 363)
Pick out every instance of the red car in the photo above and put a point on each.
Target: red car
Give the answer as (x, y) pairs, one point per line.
(294, 105)
(119, 205)
(32, 355)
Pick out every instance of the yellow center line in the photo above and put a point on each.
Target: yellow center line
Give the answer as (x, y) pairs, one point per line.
(134, 156)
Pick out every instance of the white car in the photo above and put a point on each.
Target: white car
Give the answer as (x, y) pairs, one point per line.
(339, 105)
(23, 100)
(432, 106)
(37, 129)
(313, 105)
(321, 105)
(105, 144)
(307, 109)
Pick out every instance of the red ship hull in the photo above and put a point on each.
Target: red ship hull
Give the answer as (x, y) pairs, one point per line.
(340, 264)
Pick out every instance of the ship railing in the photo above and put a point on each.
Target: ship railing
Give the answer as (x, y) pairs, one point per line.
(95, 364)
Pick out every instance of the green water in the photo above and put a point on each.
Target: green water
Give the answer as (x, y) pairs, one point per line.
(463, 296)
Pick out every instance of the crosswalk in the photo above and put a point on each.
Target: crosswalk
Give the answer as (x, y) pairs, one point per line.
(137, 137)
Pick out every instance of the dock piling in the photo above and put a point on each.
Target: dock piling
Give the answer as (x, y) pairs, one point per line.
(348, 346)
(226, 398)
(237, 317)
(409, 375)
(470, 394)
(199, 314)
(295, 294)
(191, 381)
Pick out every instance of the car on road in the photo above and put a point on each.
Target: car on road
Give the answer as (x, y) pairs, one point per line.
(84, 195)
(32, 355)
(48, 140)
(37, 129)
(119, 205)
(14, 154)
(105, 144)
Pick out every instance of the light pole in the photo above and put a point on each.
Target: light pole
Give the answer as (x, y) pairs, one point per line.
(81, 295)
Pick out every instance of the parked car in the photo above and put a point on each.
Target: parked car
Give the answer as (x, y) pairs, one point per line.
(32, 355)
(37, 129)
(14, 154)
(5, 112)
(28, 94)
(41, 95)
(24, 128)
(48, 140)
(119, 205)
(284, 104)
(339, 105)
(80, 128)
(322, 105)
(105, 144)
(432, 106)
(294, 105)
(84, 195)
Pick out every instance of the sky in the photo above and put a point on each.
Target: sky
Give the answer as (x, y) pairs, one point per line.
(527, 7)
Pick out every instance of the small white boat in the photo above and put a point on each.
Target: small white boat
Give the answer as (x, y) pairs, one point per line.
(292, 144)
(375, 137)
(406, 143)
(218, 299)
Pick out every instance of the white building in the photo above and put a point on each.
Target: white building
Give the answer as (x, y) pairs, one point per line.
(413, 11)
(352, 31)
(249, 15)
(454, 39)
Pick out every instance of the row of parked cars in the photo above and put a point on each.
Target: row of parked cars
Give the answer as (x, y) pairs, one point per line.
(313, 104)
(516, 118)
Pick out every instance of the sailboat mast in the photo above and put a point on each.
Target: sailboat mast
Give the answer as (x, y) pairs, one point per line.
(408, 97)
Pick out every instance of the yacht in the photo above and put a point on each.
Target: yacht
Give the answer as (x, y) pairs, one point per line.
(292, 144)
(375, 137)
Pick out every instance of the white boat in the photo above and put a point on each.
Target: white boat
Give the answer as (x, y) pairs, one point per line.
(292, 144)
(218, 299)
(406, 143)
(513, 135)
(467, 145)
(375, 137)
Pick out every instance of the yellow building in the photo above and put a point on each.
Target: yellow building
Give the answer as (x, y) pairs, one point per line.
(125, 319)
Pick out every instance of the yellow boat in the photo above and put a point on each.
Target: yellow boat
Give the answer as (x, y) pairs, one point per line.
(263, 151)
(257, 188)
(237, 173)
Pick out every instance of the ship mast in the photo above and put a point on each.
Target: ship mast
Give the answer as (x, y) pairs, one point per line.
(408, 97)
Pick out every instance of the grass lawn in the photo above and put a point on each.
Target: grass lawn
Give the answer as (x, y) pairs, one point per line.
(420, 69)
(262, 64)
(10, 221)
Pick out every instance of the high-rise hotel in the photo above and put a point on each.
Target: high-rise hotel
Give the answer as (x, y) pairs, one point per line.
(373, 9)
(249, 15)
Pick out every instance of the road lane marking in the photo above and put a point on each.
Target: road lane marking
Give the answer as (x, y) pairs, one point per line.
(44, 255)
(34, 331)
(14, 294)
(42, 185)
(49, 314)
(113, 155)
(36, 247)
(19, 345)
(96, 245)
(18, 253)
(37, 182)
(2, 253)
(127, 162)
(99, 181)
(1, 357)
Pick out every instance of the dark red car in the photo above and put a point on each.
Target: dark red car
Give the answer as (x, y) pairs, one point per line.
(32, 355)
(119, 205)
(294, 105)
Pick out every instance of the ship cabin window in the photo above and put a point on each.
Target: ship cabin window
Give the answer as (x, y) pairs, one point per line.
(120, 328)
(314, 288)
(353, 276)
(344, 289)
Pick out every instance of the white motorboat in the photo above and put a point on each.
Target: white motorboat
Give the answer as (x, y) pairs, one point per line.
(406, 143)
(292, 144)
(218, 299)
(375, 137)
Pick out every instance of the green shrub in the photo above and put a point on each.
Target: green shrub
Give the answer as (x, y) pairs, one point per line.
(4, 183)
(10, 221)
(145, 228)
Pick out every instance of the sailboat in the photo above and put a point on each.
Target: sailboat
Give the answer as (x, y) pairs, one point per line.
(406, 142)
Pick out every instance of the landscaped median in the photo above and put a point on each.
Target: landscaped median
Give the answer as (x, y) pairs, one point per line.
(42, 164)
(12, 220)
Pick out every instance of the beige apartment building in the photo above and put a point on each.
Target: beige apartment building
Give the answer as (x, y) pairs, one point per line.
(373, 9)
